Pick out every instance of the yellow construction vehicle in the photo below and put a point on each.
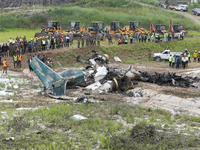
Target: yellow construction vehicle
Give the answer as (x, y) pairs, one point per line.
(96, 27)
(115, 29)
(134, 28)
(52, 28)
(75, 28)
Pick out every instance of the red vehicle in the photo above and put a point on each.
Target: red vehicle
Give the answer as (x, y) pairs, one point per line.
(160, 28)
(176, 28)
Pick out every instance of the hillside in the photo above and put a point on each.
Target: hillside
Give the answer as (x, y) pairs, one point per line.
(90, 10)
(31, 3)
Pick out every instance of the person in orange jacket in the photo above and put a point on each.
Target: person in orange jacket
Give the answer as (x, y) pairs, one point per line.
(195, 55)
(5, 66)
(19, 57)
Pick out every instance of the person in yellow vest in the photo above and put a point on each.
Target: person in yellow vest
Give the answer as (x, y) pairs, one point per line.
(43, 44)
(189, 57)
(5, 66)
(170, 60)
(15, 60)
(195, 55)
(19, 57)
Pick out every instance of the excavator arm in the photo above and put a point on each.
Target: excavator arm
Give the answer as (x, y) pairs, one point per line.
(152, 28)
(171, 26)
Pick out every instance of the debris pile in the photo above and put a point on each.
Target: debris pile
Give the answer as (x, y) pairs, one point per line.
(169, 79)
(99, 76)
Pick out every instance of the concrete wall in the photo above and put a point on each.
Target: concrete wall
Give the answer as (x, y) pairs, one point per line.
(32, 3)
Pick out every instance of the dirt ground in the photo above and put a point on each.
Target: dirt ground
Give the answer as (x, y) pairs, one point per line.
(151, 90)
(150, 67)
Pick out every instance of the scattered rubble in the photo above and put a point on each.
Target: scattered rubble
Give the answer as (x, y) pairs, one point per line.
(8, 139)
(117, 59)
(99, 76)
(78, 117)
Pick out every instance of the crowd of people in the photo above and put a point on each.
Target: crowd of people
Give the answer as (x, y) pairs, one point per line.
(183, 59)
(88, 40)
(154, 37)
(21, 45)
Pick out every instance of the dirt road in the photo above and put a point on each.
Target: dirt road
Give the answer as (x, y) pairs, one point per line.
(194, 18)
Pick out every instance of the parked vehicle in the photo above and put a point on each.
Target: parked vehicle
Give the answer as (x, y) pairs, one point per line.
(165, 55)
(196, 11)
(181, 7)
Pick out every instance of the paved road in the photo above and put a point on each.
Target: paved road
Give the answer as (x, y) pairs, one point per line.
(186, 14)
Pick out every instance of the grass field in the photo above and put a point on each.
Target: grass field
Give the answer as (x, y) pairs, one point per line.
(150, 1)
(13, 33)
(94, 10)
(110, 125)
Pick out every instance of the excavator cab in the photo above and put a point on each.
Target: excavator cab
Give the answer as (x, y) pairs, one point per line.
(133, 25)
(136, 24)
(178, 28)
(75, 28)
(53, 26)
(97, 25)
(74, 24)
(160, 28)
(115, 25)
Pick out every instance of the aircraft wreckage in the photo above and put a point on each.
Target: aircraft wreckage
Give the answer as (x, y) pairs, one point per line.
(98, 76)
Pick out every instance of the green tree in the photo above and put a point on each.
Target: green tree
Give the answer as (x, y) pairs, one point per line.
(167, 2)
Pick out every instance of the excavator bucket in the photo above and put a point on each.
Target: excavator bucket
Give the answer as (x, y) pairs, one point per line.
(39, 34)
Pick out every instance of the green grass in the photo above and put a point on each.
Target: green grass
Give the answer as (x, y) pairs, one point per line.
(150, 1)
(59, 131)
(92, 10)
(13, 33)
(192, 32)
(132, 53)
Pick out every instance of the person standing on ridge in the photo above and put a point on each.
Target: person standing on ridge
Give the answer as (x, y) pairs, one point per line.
(5, 66)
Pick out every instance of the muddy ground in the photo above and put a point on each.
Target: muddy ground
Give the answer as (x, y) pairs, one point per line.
(151, 67)
(171, 98)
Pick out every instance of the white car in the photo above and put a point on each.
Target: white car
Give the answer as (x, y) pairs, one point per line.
(181, 7)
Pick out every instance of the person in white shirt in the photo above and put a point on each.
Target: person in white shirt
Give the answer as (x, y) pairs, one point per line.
(184, 60)
(13, 41)
(10, 41)
(48, 44)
